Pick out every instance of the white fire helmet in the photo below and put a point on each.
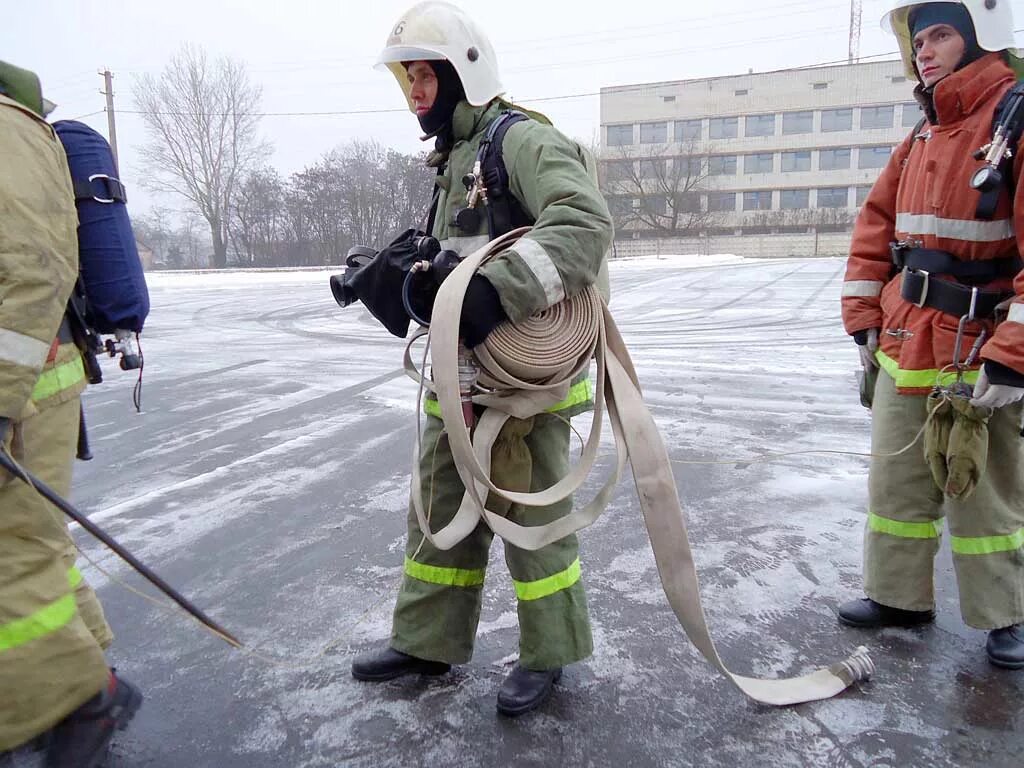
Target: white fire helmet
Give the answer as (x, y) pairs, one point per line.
(435, 30)
(993, 24)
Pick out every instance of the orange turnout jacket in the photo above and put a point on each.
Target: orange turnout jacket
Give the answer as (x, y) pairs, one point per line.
(924, 195)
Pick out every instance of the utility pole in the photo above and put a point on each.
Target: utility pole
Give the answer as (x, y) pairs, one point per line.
(108, 84)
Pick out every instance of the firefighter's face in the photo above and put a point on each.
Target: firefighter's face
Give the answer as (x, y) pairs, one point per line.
(938, 50)
(423, 82)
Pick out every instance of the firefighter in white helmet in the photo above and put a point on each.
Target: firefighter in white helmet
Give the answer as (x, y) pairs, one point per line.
(927, 259)
(447, 69)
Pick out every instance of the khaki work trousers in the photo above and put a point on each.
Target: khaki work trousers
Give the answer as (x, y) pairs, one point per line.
(52, 630)
(438, 606)
(906, 510)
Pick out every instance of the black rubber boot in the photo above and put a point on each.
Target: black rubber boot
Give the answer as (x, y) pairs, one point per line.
(525, 690)
(82, 739)
(1005, 647)
(388, 664)
(869, 614)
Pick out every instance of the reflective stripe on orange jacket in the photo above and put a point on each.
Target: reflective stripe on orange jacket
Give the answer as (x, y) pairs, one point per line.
(924, 194)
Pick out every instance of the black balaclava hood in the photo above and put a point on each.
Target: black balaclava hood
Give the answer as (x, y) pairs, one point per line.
(955, 15)
(449, 93)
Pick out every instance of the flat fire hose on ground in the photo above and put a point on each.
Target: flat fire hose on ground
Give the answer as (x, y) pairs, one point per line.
(524, 370)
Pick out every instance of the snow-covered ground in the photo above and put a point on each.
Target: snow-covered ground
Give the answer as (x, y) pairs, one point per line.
(267, 477)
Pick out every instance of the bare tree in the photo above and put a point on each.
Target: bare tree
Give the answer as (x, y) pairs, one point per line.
(668, 184)
(259, 217)
(201, 118)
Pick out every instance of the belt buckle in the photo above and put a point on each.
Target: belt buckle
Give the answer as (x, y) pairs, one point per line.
(924, 288)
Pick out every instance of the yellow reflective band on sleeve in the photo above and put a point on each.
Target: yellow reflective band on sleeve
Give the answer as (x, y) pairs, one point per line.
(535, 590)
(932, 530)
(986, 545)
(928, 377)
(448, 577)
(579, 394)
(59, 378)
(45, 621)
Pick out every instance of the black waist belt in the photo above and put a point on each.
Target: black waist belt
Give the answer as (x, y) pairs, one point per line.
(920, 288)
(943, 263)
(64, 332)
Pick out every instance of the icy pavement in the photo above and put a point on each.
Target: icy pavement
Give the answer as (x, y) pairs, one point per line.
(267, 479)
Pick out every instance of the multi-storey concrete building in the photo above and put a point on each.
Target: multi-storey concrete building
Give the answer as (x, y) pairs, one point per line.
(774, 163)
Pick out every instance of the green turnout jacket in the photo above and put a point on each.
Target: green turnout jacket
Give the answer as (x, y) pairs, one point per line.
(555, 182)
(38, 251)
(548, 174)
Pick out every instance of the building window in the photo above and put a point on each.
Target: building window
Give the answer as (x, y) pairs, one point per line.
(834, 159)
(792, 199)
(759, 125)
(833, 197)
(652, 169)
(723, 127)
(898, 79)
(820, 86)
(862, 194)
(668, 99)
(722, 201)
(876, 117)
(763, 163)
(694, 165)
(618, 170)
(655, 204)
(687, 129)
(620, 206)
(797, 122)
(873, 157)
(836, 120)
(620, 135)
(911, 114)
(796, 161)
(653, 133)
(688, 202)
(722, 165)
(740, 92)
(757, 201)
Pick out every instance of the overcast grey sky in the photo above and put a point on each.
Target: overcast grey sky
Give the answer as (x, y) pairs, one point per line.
(318, 55)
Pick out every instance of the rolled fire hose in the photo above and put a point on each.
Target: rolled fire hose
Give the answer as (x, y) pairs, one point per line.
(527, 368)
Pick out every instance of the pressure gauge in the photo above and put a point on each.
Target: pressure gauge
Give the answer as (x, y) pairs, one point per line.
(986, 178)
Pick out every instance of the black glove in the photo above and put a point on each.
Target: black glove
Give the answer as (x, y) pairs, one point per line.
(481, 311)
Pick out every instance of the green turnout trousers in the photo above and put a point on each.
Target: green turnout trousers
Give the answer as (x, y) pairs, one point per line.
(906, 509)
(438, 606)
(52, 630)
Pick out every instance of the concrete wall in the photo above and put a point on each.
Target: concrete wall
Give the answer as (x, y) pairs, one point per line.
(750, 246)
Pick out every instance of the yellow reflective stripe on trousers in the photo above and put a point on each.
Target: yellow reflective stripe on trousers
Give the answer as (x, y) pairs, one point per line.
(932, 530)
(448, 577)
(535, 590)
(986, 545)
(59, 378)
(919, 379)
(45, 621)
(579, 393)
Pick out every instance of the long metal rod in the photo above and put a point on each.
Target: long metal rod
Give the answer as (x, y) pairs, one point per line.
(112, 543)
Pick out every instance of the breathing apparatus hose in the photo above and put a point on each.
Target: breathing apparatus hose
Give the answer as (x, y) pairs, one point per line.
(527, 368)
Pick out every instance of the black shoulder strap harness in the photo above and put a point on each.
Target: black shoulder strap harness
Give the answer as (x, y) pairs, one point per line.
(504, 212)
(1007, 129)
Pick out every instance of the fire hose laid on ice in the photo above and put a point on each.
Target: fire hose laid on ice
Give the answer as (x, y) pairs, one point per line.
(527, 368)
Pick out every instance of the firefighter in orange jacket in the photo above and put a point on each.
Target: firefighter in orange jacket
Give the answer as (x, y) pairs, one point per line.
(920, 249)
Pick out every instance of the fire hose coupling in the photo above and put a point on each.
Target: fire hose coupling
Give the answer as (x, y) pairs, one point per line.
(857, 668)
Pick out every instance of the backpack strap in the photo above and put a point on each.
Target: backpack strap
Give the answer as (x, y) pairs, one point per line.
(1009, 117)
(504, 212)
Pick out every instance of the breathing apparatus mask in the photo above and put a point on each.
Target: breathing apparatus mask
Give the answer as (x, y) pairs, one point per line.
(398, 283)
